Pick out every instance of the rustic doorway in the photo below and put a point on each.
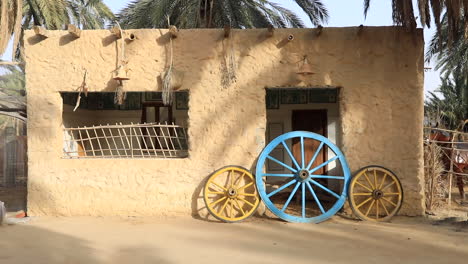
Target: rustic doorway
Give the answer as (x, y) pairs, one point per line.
(312, 121)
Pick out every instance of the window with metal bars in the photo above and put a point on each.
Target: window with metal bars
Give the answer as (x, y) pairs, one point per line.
(143, 127)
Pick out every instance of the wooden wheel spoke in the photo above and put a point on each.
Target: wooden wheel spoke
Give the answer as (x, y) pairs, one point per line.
(232, 209)
(291, 156)
(384, 207)
(240, 207)
(388, 185)
(383, 181)
(247, 202)
(315, 197)
(362, 194)
(375, 178)
(245, 186)
(231, 176)
(370, 183)
(365, 201)
(248, 194)
(390, 202)
(325, 189)
(281, 163)
(370, 207)
(315, 156)
(223, 207)
(222, 187)
(391, 194)
(290, 197)
(210, 192)
(323, 164)
(369, 189)
(238, 181)
(218, 201)
(281, 188)
(377, 209)
(302, 153)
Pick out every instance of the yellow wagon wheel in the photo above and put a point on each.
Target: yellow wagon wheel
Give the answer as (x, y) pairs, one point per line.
(375, 194)
(230, 194)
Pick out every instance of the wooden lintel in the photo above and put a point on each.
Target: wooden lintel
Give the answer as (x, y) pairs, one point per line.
(173, 31)
(116, 31)
(227, 31)
(271, 31)
(41, 31)
(319, 31)
(74, 30)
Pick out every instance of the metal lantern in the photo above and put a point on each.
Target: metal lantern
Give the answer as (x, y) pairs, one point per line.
(305, 69)
(121, 74)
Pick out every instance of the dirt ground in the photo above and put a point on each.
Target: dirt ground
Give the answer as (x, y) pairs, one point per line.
(258, 240)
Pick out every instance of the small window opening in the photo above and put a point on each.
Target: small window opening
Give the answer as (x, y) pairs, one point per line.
(142, 127)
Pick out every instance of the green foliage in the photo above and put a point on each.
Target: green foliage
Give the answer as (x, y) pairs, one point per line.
(456, 12)
(218, 13)
(56, 14)
(12, 81)
(451, 55)
(451, 106)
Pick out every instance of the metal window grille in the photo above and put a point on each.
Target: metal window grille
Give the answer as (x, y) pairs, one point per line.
(152, 140)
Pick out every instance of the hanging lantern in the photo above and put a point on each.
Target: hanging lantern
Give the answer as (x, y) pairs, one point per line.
(305, 69)
(120, 74)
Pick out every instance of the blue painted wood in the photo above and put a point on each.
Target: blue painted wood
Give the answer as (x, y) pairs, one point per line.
(309, 182)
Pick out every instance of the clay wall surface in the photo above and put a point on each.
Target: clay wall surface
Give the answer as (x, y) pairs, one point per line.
(380, 72)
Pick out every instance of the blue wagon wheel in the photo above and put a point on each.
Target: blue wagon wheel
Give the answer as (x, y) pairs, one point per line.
(306, 166)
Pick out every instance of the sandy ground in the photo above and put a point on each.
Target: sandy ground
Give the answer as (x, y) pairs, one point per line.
(259, 240)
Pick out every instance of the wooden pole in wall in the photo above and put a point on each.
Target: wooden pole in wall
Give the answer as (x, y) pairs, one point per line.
(74, 30)
(173, 31)
(271, 31)
(41, 31)
(116, 31)
(227, 31)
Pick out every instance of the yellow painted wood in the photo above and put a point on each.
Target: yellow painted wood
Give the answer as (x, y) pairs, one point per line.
(369, 207)
(235, 186)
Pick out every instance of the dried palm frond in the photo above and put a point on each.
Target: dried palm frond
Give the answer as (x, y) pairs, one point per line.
(229, 64)
(120, 94)
(167, 91)
(435, 184)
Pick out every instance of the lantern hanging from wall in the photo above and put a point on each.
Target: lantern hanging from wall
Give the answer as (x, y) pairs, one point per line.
(305, 69)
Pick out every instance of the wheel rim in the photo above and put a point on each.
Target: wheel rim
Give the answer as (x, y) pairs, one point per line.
(375, 194)
(230, 194)
(302, 179)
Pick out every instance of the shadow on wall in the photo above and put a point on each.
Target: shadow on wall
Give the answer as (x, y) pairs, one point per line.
(27, 244)
(245, 117)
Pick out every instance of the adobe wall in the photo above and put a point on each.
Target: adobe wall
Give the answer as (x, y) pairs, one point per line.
(381, 106)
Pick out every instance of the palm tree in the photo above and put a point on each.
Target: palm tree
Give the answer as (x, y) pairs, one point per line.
(52, 14)
(452, 106)
(12, 92)
(451, 56)
(218, 13)
(403, 14)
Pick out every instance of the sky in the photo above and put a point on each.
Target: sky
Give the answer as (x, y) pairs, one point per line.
(342, 13)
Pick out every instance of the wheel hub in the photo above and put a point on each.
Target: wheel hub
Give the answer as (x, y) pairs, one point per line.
(377, 194)
(303, 175)
(232, 193)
